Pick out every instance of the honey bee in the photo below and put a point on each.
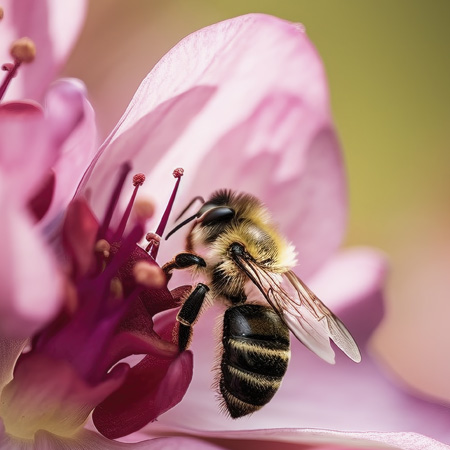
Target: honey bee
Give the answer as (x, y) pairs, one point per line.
(235, 244)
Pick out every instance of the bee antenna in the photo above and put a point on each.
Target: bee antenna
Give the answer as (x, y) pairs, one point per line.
(189, 205)
(182, 224)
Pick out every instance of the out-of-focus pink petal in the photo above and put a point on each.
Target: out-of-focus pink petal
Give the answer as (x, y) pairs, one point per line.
(47, 393)
(66, 107)
(67, 98)
(53, 26)
(41, 201)
(22, 107)
(78, 236)
(30, 144)
(152, 387)
(30, 289)
(26, 153)
(346, 397)
(264, 126)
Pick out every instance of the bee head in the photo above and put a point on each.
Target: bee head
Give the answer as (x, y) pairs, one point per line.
(209, 214)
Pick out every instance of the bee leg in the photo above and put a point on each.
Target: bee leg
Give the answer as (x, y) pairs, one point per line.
(188, 314)
(182, 261)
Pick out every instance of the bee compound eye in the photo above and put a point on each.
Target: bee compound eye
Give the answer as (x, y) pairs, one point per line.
(216, 215)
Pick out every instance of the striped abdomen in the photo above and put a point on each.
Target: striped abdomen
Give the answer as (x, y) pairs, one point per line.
(255, 358)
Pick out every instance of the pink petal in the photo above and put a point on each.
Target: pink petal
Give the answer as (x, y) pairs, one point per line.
(30, 287)
(26, 153)
(152, 387)
(30, 144)
(49, 393)
(89, 440)
(78, 133)
(240, 104)
(53, 26)
(314, 439)
(345, 397)
(79, 234)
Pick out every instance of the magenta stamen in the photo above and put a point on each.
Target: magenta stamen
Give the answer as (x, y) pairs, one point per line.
(138, 180)
(124, 170)
(11, 70)
(177, 173)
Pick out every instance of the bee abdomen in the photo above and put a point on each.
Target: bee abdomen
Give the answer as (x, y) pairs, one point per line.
(255, 358)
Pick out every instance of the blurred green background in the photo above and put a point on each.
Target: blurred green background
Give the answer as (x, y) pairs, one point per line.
(388, 67)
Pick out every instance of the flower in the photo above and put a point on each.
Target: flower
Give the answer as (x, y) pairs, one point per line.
(37, 180)
(239, 104)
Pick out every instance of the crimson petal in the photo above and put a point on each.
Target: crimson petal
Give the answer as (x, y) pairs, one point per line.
(152, 387)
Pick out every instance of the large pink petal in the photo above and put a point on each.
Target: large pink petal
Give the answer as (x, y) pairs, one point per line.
(314, 439)
(89, 440)
(345, 397)
(53, 26)
(263, 126)
(30, 282)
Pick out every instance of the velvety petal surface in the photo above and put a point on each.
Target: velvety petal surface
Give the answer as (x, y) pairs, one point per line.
(312, 439)
(30, 287)
(241, 104)
(88, 440)
(53, 26)
(345, 397)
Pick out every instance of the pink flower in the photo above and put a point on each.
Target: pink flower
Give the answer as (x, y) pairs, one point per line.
(38, 144)
(242, 104)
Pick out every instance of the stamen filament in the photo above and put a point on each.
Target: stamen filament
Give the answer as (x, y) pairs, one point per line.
(138, 180)
(177, 173)
(11, 71)
(124, 170)
(22, 51)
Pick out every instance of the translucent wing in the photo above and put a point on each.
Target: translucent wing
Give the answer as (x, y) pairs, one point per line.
(335, 329)
(307, 317)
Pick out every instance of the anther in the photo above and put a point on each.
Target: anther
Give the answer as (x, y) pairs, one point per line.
(149, 275)
(1, 13)
(177, 173)
(23, 50)
(153, 241)
(143, 209)
(138, 179)
(116, 288)
(102, 246)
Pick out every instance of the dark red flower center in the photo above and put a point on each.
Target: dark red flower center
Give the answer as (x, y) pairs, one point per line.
(74, 366)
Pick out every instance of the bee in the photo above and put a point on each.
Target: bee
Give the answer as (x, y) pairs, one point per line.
(234, 243)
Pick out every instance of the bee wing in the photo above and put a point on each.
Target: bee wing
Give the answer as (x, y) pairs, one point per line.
(335, 329)
(312, 323)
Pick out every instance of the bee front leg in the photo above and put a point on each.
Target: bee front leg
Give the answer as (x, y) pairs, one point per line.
(188, 314)
(182, 261)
